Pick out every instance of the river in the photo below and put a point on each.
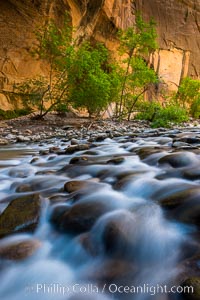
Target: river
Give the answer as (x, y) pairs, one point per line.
(115, 219)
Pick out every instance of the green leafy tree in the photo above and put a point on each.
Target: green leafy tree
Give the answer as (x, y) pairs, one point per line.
(136, 42)
(139, 80)
(83, 76)
(55, 46)
(188, 95)
(93, 82)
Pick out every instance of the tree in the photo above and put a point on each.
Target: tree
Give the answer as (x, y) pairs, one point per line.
(82, 76)
(136, 42)
(139, 80)
(92, 79)
(188, 95)
(85, 76)
(55, 46)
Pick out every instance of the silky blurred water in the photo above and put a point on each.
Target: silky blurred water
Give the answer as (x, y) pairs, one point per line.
(151, 244)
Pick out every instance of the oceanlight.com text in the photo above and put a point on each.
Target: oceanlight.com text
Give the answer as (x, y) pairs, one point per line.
(79, 288)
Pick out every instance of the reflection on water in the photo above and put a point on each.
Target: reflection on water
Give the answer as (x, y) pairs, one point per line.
(11, 155)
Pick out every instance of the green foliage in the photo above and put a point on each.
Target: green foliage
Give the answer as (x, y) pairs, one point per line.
(115, 73)
(92, 80)
(189, 90)
(85, 76)
(61, 108)
(138, 81)
(81, 76)
(11, 114)
(188, 95)
(55, 46)
(161, 116)
(32, 92)
(140, 39)
(195, 107)
(136, 42)
(171, 114)
(148, 110)
(141, 74)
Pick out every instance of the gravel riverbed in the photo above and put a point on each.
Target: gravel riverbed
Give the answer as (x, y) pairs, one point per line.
(26, 129)
(98, 205)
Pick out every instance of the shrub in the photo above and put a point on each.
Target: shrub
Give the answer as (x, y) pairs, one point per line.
(163, 116)
(195, 107)
(188, 96)
(171, 114)
(61, 108)
(148, 110)
(11, 114)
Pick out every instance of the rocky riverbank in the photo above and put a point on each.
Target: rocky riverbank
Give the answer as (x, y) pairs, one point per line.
(27, 129)
(99, 203)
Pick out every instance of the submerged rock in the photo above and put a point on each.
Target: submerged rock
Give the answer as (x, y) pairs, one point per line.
(3, 142)
(179, 144)
(74, 148)
(126, 178)
(54, 149)
(117, 271)
(192, 173)
(116, 160)
(91, 152)
(80, 217)
(179, 159)
(22, 139)
(21, 215)
(194, 288)
(184, 205)
(79, 160)
(178, 198)
(44, 152)
(34, 159)
(19, 172)
(19, 250)
(23, 188)
(74, 141)
(57, 213)
(113, 233)
(76, 185)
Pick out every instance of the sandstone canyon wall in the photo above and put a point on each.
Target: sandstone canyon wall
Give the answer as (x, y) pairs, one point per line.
(178, 28)
(18, 21)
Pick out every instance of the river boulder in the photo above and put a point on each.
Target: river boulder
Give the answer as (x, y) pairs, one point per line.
(80, 217)
(18, 250)
(21, 215)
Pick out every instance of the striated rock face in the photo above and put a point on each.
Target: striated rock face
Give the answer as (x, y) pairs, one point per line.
(101, 18)
(178, 27)
(18, 21)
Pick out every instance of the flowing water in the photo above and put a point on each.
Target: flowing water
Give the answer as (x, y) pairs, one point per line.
(101, 239)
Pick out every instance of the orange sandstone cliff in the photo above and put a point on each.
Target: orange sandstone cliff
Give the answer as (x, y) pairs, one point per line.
(178, 28)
